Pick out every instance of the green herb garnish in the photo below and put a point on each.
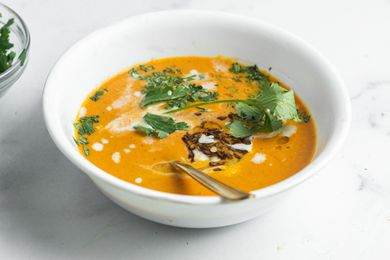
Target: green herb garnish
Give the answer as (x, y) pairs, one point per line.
(6, 55)
(86, 150)
(160, 126)
(98, 94)
(85, 125)
(161, 94)
(170, 87)
(267, 112)
(252, 73)
(145, 68)
(304, 116)
(82, 141)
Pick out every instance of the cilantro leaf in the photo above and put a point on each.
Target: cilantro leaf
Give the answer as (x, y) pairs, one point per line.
(160, 126)
(278, 101)
(133, 72)
(252, 73)
(267, 112)
(80, 140)
(86, 151)
(193, 93)
(145, 68)
(157, 95)
(250, 120)
(304, 116)
(239, 130)
(170, 87)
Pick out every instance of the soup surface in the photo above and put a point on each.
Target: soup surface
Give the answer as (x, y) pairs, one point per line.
(235, 122)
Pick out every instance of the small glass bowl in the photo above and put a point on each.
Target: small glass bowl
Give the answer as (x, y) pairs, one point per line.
(20, 37)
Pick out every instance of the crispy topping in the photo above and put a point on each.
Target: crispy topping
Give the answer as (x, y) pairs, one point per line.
(222, 148)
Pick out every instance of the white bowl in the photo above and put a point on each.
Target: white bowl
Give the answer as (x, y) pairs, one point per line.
(180, 33)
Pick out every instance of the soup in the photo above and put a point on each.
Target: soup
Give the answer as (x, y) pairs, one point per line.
(235, 122)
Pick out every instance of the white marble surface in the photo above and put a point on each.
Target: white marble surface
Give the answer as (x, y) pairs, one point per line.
(50, 210)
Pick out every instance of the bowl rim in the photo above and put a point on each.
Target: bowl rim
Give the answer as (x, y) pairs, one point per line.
(335, 141)
(26, 44)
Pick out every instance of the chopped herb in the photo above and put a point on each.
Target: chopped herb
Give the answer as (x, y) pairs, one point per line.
(160, 126)
(171, 70)
(170, 87)
(201, 77)
(85, 125)
(98, 94)
(193, 93)
(157, 95)
(252, 73)
(266, 112)
(82, 141)
(86, 151)
(304, 116)
(133, 72)
(6, 55)
(145, 68)
(160, 79)
(269, 68)
(75, 141)
(236, 68)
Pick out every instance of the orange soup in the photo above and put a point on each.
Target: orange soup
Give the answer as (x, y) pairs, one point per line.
(233, 121)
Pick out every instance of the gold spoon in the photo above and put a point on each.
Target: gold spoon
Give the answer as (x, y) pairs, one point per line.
(226, 191)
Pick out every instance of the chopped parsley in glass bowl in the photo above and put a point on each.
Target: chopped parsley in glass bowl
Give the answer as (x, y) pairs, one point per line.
(14, 47)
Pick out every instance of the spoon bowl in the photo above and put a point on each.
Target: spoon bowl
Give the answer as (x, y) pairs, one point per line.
(222, 189)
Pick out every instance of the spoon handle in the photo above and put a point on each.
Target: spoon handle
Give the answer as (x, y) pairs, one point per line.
(209, 182)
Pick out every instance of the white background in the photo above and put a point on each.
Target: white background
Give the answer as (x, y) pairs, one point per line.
(50, 210)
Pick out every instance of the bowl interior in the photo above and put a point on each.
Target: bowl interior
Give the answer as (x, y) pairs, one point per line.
(187, 33)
